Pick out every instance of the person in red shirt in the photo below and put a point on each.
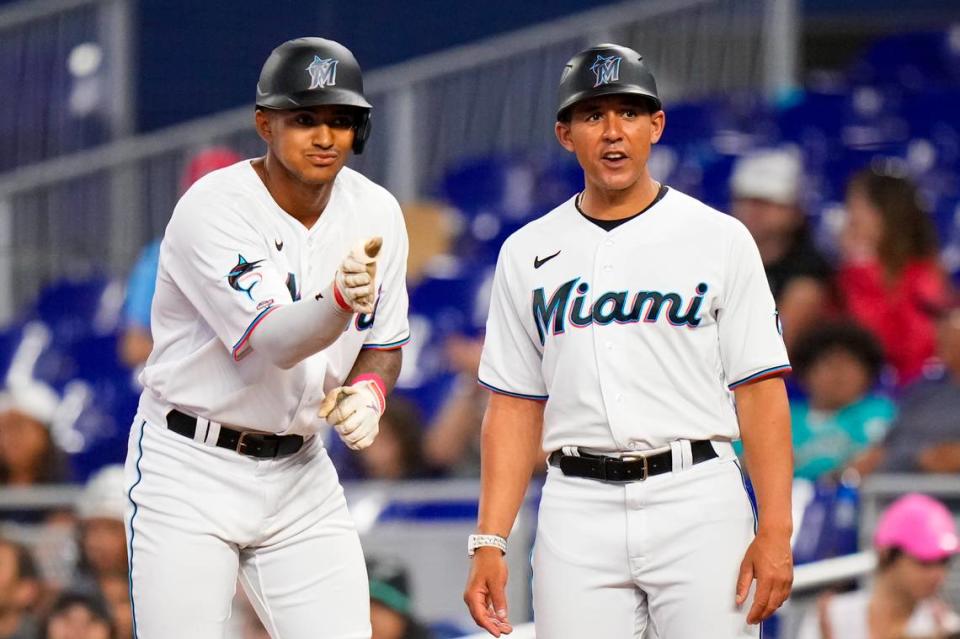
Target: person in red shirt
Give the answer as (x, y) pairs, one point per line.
(889, 276)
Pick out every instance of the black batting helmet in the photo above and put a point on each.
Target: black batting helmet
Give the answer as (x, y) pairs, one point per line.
(606, 69)
(312, 71)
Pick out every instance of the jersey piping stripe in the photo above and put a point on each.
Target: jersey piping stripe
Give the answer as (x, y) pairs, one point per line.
(746, 492)
(239, 347)
(133, 605)
(389, 346)
(539, 398)
(769, 372)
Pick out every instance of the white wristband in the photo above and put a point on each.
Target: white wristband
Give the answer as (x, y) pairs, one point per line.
(481, 541)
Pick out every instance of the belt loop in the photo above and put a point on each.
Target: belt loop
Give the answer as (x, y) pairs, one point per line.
(686, 454)
(571, 451)
(200, 430)
(676, 452)
(213, 433)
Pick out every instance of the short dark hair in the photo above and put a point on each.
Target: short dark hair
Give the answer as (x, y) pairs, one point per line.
(838, 336)
(94, 604)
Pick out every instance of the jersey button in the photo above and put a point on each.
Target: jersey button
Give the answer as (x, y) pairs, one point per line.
(619, 397)
(634, 445)
(609, 346)
(608, 243)
(608, 267)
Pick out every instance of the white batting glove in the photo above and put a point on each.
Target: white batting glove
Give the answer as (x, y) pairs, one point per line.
(354, 412)
(355, 282)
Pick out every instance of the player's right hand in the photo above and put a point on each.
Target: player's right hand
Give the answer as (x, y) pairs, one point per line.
(355, 281)
(485, 594)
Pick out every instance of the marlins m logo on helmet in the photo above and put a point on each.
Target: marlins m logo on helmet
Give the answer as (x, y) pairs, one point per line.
(607, 69)
(323, 72)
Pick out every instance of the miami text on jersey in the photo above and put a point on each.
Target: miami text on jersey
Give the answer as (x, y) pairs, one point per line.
(551, 317)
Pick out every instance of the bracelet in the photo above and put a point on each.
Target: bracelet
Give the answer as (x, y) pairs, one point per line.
(481, 541)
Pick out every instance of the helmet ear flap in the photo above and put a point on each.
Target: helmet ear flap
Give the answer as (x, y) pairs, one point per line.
(361, 132)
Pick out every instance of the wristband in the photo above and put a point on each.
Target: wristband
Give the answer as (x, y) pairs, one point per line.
(482, 541)
(380, 387)
(339, 300)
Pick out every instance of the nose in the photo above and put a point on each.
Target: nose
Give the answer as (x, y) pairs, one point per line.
(612, 129)
(323, 136)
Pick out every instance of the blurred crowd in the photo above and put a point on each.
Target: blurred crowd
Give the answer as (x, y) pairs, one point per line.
(867, 309)
(871, 322)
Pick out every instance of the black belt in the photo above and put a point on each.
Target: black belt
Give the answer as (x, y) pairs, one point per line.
(262, 445)
(629, 468)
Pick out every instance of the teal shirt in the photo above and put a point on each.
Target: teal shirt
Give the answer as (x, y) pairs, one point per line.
(825, 441)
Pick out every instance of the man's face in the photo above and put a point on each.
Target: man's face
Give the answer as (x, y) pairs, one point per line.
(313, 143)
(105, 546)
(77, 622)
(23, 441)
(767, 220)
(611, 137)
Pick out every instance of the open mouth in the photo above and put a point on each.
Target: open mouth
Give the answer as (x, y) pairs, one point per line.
(614, 158)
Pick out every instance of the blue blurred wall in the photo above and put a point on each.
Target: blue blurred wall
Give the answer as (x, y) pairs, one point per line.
(199, 57)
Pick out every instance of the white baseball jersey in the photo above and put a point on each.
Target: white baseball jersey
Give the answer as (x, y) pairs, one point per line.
(229, 257)
(635, 336)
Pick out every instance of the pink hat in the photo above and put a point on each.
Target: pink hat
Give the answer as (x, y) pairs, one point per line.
(920, 526)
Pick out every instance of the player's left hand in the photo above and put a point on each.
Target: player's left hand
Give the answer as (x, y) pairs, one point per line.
(354, 412)
(768, 560)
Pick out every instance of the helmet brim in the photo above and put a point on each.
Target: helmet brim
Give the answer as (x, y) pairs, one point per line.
(618, 89)
(327, 96)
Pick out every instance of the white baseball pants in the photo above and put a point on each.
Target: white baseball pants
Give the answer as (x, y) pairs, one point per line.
(200, 516)
(659, 556)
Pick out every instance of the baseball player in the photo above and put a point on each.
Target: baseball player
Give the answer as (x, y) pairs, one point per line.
(621, 326)
(280, 307)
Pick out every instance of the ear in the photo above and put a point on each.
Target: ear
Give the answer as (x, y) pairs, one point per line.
(657, 123)
(562, 130)
(263, 124)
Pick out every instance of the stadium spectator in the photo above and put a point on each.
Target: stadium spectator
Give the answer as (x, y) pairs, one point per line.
(837, 365)
(20, 590)
(79, 616)
(766, 187)
(28, 454)
(391, 612)
(452, 442)
(915, 539)
(889, 276)
(431, 228)
(102, 568)
(137, 342)
(925, 437)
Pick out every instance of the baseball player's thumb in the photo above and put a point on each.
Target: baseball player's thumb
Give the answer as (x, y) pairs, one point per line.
(499, 601)
(744, 580)
(331, 399)
(372, 246)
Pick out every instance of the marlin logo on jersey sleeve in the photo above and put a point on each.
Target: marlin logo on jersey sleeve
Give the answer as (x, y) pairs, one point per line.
(569, 303)
(242, 277)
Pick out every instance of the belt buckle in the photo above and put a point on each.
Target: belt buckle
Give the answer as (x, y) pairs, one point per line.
(636, 457)
(242, 443)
